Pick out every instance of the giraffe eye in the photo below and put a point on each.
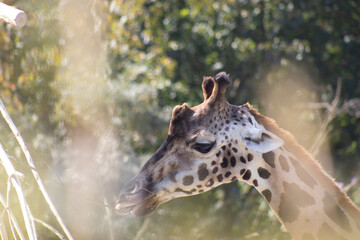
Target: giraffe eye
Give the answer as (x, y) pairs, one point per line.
(203, 147)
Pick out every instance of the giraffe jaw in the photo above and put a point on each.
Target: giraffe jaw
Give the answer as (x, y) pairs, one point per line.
(136, 204)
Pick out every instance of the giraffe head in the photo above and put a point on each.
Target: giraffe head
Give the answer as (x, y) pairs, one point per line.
(207, 145)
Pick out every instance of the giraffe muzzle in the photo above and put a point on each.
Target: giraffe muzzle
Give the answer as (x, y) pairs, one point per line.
(136, 200)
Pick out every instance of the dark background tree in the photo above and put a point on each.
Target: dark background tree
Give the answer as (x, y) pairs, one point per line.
(91, 85)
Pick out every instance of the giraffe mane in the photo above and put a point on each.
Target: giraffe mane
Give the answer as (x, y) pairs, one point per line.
(308, 161)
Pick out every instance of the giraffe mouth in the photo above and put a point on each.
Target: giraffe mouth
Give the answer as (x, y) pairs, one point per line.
(141, 203)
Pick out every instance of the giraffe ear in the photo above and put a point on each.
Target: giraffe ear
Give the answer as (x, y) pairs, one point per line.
(257, 138)
(262, 142)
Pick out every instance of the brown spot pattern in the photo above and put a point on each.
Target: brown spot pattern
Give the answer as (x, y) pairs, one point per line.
(255, 182)
(188, 180)
(290, 201)
(269, 158)
(335, 212)
(203, 172)
(209, 183)
(224, 163)
(288, 211)
(233, 161)
(298, 195)
(283, 163)
(267, 194)
(263, 173)
(328, 233)
(250, 157)
(247, 175)
(302, 173)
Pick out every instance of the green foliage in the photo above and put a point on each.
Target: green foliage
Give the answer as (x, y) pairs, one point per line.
(91, 86)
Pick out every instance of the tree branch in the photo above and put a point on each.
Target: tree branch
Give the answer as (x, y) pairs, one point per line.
(51, 228)
(12, 15)
(3, 233)
(12, 219)
(13, 178)
(142, 229)
(33, 168)
(331, 114)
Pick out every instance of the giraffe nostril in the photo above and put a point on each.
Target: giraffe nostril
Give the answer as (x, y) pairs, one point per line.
(132, 187)
(136, 187)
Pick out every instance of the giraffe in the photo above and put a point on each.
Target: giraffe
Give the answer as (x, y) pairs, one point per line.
(215, 143)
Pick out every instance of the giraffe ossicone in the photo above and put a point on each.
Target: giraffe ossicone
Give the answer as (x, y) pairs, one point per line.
(215, 143)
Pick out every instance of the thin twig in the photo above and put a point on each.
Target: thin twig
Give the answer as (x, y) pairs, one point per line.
(10, 170)
(319, 105)
(351, 107)
(51, 228)
(108, 219)
(33, 169)
(332, 112)
(3, 233)
(8, 205)
(12, 217)
(142, 229)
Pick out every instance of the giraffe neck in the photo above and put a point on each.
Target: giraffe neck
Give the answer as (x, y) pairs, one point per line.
(305, 199)
(305, 204)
